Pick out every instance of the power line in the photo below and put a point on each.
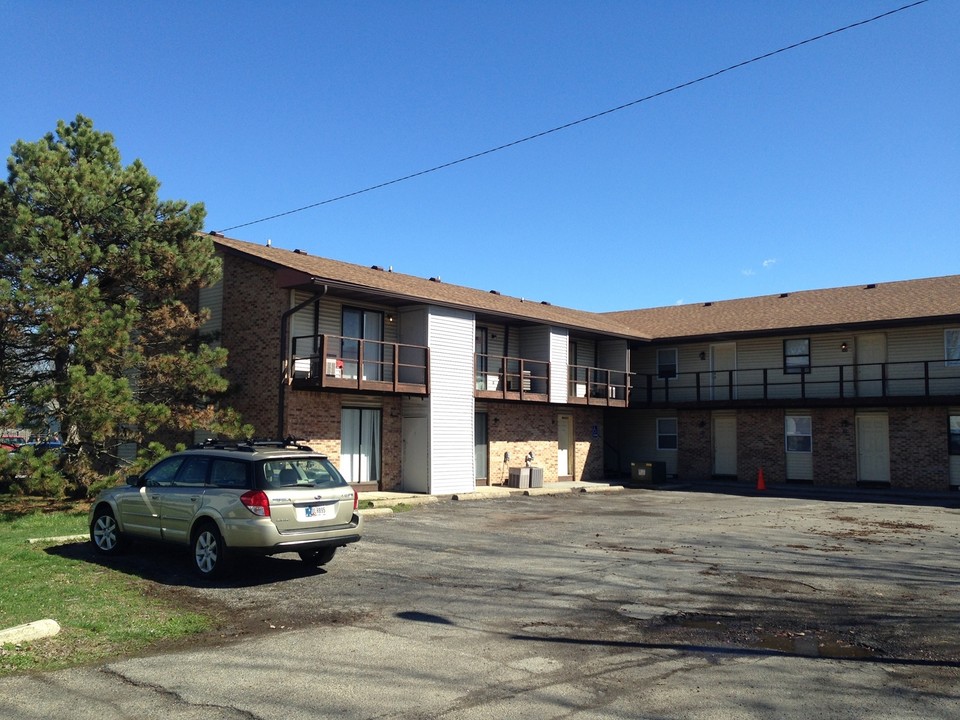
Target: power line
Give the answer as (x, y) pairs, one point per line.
(582, 120)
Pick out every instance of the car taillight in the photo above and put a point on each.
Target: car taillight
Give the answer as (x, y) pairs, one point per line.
(356, 499)
(257, 502)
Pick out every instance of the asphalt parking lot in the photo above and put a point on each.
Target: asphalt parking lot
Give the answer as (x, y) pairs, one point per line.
(631, 604)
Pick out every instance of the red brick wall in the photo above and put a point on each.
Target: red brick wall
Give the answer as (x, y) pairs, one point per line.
(252, 308)
(520, 428)
(834, 446)
(695, 447)
(919, 458)
(760, 444)
(315, 416)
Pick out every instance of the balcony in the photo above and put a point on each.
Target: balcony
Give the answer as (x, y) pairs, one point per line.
(928, 381)
(598, 386)
(507, 378)
(342, 363)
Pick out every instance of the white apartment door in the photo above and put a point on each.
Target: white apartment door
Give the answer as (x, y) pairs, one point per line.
(565, 446)
(873, 448)
(725, 445)
(723, 379)
(871, 353)
(415, 455)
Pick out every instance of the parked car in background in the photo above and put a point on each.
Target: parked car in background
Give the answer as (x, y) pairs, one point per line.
(11, 442)
(221, 499)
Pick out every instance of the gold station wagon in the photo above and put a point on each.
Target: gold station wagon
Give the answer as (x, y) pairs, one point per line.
(219, 499)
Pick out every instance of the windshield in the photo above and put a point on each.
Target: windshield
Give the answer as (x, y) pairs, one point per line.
(301, 472)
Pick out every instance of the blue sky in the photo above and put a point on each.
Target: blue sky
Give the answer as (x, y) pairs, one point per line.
(833, 164)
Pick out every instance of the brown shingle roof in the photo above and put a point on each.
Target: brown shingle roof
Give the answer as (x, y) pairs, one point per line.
(903, 302)
(416, 289)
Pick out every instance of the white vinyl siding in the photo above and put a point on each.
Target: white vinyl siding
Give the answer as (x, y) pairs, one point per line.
(559, 368)
(451, 339)
(637, 431)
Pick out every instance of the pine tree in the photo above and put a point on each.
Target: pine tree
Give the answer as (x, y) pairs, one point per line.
(96, 337)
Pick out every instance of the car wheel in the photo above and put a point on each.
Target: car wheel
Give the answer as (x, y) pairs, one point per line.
(105, 532)
(209, 551)
(318, 557)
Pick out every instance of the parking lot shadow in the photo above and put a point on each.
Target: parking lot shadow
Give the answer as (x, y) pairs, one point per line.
(170, 565)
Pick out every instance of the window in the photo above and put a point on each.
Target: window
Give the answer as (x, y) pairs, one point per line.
(667, 364)
(360, 444)
(162, 475)
(228, 473)
(365, 325)
(951, 346)
(955, 434)
(796, 355)
(666, 433)
(194, 472)
(799, 433)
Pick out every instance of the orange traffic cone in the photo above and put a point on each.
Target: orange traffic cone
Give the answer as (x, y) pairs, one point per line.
(761, 485)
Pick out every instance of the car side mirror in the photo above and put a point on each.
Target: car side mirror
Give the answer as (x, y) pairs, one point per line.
(133, 481)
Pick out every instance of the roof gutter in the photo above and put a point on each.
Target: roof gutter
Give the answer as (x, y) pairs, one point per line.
(284, 332)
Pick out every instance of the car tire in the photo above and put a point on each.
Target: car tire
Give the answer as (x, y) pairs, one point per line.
(105, 532)
(318, 557)
(210, 557)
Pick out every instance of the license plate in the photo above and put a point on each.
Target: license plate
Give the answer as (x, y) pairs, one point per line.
(315, 512)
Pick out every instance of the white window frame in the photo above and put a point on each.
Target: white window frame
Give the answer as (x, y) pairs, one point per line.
(675, 434)
(676, 364)
(951, 347)
(793, 428)
(790, 364)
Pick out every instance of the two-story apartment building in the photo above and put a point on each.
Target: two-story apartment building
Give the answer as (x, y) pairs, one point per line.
(415, 384)
(412, 383)
(842, 386)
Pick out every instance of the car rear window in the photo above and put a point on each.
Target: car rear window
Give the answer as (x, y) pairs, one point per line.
(301, 472)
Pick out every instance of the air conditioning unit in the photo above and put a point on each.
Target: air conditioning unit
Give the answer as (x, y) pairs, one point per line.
(301, 368)
(333, 367)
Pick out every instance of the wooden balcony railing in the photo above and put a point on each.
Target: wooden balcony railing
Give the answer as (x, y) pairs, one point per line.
(509, 378)
(927, 379)
(597, 386)
(355, 364)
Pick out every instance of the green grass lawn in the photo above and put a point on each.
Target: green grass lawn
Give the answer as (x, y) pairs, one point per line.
(102, 613)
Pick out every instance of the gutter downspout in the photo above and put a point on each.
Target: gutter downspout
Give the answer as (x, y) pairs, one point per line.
(283, 350)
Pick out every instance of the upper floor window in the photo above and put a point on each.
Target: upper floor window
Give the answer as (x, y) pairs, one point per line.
(666, 433)
(951, 346)
(955, 434)
(798, 430)
(796, 355)
(667, 363)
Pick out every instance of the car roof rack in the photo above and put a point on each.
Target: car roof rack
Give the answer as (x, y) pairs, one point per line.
(253, 444)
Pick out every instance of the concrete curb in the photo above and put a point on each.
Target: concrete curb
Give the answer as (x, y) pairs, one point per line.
(376, 512)
(57, 540)
(30, 631)
(483, 495)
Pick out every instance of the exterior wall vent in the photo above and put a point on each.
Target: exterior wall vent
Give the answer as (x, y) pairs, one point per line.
(783, 295)
(871, 286)
(707, 304)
